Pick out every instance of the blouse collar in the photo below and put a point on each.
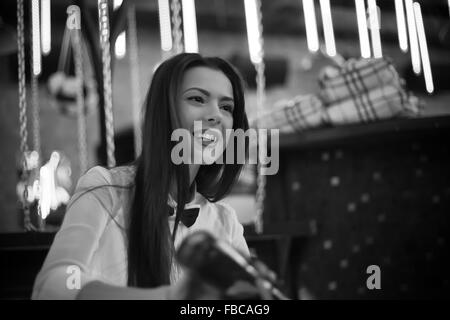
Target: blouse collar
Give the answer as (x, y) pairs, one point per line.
(195, 202)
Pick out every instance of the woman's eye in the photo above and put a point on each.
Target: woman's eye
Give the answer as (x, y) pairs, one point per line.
(227, 108)
(196, 99)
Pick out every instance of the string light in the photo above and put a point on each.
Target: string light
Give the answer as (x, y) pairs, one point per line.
(374, 21)
(120, 47)
(415, 54)
(46, 36)
(165, 27)
(253, 31)
(423, 48)
(312, 37)
(401, 25)
(328, 27)
(189, 26)
(36, 37)
(362, 28)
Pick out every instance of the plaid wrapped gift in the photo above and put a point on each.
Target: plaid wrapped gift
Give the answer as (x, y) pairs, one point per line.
(356, 77)
(297, 114)
(379, 103)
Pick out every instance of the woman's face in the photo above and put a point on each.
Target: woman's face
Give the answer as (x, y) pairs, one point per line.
(205, 107)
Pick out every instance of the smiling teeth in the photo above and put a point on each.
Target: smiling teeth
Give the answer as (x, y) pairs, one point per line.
(207, 137)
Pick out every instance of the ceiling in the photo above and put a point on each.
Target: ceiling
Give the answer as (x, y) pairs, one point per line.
(279, 17)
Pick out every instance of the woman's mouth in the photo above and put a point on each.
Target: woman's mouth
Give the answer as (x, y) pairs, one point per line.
(208, 137)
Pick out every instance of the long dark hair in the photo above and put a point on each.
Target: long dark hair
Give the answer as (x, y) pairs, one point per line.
(150, 247)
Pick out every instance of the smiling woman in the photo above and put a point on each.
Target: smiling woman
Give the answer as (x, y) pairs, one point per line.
(119, 229)
(205, 108)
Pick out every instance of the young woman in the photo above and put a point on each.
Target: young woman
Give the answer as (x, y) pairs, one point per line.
(119, 235)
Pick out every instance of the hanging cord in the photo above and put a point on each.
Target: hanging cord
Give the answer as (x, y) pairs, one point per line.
(107, 82)
(35, 96)
(177, 32)
(134, 75)
(177, 37)
(262, 139)
(35, 110)
(64, 53)
(22, 76)
(23, 131)
(81, 115)
(35, 117)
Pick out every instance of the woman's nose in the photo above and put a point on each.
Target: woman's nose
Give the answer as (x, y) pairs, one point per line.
(214, 117)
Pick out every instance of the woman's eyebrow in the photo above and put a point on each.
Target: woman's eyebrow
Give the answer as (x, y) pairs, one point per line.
(227, 99)
(206, 93)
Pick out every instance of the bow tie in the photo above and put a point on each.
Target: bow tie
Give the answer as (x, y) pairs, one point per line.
(188, 216)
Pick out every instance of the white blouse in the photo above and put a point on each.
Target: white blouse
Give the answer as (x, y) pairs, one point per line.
(92, 239)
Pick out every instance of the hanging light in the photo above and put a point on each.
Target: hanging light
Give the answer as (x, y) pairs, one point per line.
(189, 26)
(415, 54)
(312, 36)
(328, 27)
(46, 35)
(253, 31)
(116, 4)
(36, 37)
(165, 27)
(423, 48)
(120, 47)
(374, 21)
(401, 25)
(362, 28)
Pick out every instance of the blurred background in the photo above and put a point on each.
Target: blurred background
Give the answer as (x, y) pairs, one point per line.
(349, 194)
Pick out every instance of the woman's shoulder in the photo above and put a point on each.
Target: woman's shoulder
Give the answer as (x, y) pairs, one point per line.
(228, 219)
(111, 186)
(123, 175)
(94, 176)
(98, 175)
(226, 208)
(225, 213)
